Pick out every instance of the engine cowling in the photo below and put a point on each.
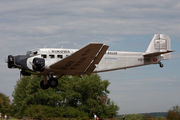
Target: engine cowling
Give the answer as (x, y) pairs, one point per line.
(10, 61)
(38, 64)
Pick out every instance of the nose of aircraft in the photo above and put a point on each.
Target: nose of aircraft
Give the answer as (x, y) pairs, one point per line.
(10, 61)
(16, 61)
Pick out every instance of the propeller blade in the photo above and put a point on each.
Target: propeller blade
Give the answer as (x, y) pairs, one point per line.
(5, 60)
(20, 74)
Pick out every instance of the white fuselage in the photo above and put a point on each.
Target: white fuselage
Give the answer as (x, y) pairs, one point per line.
(112, 60)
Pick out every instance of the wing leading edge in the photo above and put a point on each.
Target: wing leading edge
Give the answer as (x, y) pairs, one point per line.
(81, 62)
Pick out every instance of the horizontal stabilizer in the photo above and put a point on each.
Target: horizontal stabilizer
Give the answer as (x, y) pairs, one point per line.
(158, 53)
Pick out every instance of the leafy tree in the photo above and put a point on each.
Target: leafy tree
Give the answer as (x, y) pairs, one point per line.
(159, 118)
(133, 118)
(147, 117)
(4, 104)
(174, 113)
(74, 97)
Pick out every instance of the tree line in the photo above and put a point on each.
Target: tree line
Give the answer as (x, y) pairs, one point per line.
(172, 114)
(4, 105)
(74, 97)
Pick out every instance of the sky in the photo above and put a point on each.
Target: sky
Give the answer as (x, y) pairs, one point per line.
(122, 25)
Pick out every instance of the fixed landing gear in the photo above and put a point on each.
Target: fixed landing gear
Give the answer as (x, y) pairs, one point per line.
(52, 82)
(44, 87)
(160, 64)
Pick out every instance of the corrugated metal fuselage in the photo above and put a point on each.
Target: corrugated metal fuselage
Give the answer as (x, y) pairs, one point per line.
(115, 60)
(112, 60)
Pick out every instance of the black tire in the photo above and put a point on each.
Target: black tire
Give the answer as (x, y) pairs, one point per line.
(43, 86)
(53, 82)
(161, 65)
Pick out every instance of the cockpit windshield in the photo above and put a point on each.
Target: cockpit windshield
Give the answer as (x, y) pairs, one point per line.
(31, 53)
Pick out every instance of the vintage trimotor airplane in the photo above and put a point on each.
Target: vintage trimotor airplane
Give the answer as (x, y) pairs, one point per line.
(53, 63)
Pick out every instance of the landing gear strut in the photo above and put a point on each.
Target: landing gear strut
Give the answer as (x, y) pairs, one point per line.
(52, 82)
(160, 64)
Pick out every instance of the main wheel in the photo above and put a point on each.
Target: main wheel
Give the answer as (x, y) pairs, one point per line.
(44, 87)
(53, 82)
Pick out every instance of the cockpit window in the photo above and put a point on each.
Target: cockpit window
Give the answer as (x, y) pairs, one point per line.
(31, 53)
(35, 53)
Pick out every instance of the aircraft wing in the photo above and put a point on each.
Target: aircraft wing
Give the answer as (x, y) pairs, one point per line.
(83, 61)
(158, 53)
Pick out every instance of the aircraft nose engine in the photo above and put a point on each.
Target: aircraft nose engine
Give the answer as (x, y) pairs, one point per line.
(38, 64)
(10, 61)
(18, 61)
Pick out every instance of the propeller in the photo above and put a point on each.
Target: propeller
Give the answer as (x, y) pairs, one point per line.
(5, 60)
(20, 74)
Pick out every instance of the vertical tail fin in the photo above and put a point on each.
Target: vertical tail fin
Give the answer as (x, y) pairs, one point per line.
(160, 45)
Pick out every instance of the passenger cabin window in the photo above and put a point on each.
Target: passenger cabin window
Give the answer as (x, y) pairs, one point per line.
(44, 56)
(60, 56)
(51, 56)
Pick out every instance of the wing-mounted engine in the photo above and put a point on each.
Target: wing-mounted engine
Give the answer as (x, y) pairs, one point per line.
(38, 64)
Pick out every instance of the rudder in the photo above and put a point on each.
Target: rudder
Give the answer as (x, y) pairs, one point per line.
(160, 43)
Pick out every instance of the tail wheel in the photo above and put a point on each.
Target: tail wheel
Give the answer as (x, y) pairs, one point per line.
(44, 87)
(160, 64)
(53, 82)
